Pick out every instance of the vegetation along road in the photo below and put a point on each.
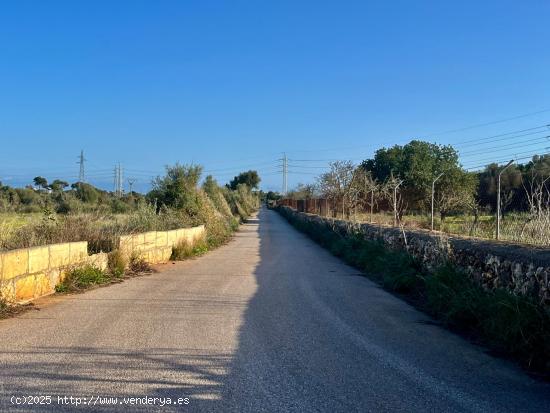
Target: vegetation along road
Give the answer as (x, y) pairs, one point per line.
(269, 322)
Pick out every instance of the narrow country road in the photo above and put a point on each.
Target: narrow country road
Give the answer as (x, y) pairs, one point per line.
(270, 322)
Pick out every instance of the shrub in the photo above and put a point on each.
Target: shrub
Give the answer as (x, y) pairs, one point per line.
(453, 297)
(81, 278)
(116, 263)
(518, 326)
(138, 265)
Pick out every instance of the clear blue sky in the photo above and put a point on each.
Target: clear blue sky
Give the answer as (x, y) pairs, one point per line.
(233, 84)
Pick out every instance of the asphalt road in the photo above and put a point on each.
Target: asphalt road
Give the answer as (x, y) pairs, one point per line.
(270, 322)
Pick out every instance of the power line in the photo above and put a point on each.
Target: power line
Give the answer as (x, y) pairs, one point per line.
(512, 145)
(473, 168)
(489, 139)
(479, 125)
(530, 153)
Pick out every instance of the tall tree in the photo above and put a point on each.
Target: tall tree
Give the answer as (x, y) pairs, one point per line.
(418, 163)
(249, 178)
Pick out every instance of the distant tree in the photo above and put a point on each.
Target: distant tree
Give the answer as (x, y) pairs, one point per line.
(58, 185)
(456, 193)
(302, 191)
(511, 188)
(417, 164)
(178, 188)
(249, 178)
(272, 196)
(210, 185)
(336, 184)
(41, 182)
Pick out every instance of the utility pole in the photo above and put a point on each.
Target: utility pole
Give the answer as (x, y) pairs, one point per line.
(498, 197)
(285, 174)
(81, 160)
(433, 196)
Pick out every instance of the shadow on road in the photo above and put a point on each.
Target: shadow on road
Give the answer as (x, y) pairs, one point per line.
(311, 338)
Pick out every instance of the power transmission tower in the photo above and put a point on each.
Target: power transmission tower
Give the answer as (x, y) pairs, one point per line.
(131, 182)
(81, 160)
(118, 184)
(285, 174)
(115, 186)
(120, 181)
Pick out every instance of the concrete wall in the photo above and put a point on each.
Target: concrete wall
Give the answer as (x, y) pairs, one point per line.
(521, 269)
(29, 273)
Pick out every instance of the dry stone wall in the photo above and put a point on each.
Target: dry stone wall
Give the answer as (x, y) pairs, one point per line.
(521, 269)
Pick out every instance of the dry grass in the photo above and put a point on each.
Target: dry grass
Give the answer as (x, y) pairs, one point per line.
(138, 265)
(184, 249)
(516, 227)
(101, 230)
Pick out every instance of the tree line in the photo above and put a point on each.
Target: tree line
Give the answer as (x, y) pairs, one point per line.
(400, 179)
(61, 197)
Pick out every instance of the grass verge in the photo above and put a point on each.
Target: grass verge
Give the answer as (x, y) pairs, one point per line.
(82, 278)
(512, 326)
(184, 250)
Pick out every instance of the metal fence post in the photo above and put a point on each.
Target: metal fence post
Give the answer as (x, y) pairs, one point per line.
(498, 197)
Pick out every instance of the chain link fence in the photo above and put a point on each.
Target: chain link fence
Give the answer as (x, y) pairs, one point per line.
(519, 227)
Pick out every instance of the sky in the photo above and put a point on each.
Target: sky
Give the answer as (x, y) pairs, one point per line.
(232, 85)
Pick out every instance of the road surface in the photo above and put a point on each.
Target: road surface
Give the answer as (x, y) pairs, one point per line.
(270, 322)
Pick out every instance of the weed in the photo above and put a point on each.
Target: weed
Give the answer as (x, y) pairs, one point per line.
(10, 309)
(81, 278)
(181, 251)
(138, 265)
(116, 263)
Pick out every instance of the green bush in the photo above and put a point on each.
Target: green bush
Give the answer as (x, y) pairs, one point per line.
(453, 297)
(81, 278)
(518, 326)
